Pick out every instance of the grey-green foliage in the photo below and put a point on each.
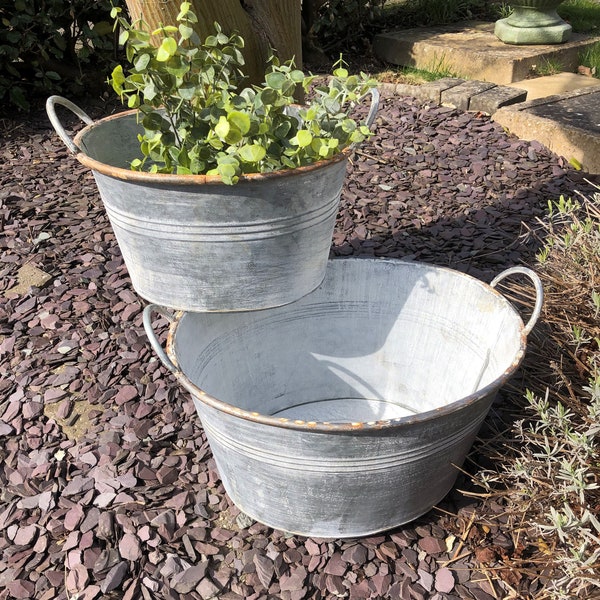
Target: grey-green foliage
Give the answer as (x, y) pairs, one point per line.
(197, 120)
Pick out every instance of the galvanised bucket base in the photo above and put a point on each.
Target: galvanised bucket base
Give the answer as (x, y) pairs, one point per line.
(348, 412)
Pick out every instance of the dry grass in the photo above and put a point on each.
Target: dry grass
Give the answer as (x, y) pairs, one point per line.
(544, 487)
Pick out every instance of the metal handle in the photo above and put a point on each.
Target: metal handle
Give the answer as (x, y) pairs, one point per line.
(156, 346)
(64, 136)
(374, 106)
(539, 292)
(374, 93)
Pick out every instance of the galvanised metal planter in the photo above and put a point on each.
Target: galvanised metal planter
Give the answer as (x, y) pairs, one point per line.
(533, 22)
(191, 242)
(346, 413)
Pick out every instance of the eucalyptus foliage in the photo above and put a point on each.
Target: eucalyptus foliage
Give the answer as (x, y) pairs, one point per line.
(197, 118)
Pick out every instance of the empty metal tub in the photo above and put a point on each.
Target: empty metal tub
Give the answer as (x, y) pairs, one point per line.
(345, 413)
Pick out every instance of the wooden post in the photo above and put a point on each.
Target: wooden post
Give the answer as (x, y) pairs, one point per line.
(263, 24)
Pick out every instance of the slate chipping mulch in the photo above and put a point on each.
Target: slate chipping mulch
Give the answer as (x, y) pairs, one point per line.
(107, 485)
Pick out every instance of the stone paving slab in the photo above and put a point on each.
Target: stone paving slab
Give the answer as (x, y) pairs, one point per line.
(550, 85)
(568, 124)
(28, 276)
(472, 51)
(491, 100)
(460, 95)
(476, 96)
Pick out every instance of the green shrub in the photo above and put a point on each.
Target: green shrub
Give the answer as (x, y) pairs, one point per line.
(547, 463)
(418, 13)
(51, 46)
(342, 24)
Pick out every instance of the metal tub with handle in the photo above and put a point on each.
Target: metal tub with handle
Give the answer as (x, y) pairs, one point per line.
(191, 242)
(347, 412)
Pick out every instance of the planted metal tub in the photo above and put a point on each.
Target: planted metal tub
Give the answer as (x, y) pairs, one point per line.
(191, 242)
(347, 412)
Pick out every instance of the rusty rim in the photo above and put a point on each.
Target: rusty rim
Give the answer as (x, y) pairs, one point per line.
(352, 427)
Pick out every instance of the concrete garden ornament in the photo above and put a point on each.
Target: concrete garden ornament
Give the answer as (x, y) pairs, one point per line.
(221, 197)
(533, 22)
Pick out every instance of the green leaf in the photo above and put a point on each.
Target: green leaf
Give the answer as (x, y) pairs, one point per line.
(297, 76)
(275, 80)
(165, 29)
(154, 122)
(177, 66)
(102, 28)
(348, 125)
(240, 120)
(215, 143)
(234, 136)
(18, 97)
(322, 149)
(268, 96)
(184, 9)
(167, 49)
(282, 129)
(141, 62)
(117, 79)
(575, 163)
(150, 92)
(228, 168)
(186, 31)
(187, 91)
(252, 153)
(222, 127)
(304, 138)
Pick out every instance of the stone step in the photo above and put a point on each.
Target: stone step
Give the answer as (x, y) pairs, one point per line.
(561, 83)
(472, 51)
(568, 124)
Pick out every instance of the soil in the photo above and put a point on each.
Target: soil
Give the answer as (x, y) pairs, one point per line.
(107, 485)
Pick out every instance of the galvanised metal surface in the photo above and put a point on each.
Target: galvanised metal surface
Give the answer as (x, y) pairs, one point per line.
(191, 242)
(348, 412)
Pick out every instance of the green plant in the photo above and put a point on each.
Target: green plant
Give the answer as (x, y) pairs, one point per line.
(502, 10)
(416, 13)
(437, 69)
(548, 66)
(196, 119)
(345, 23)
(547, 476)
(583, 15)
(590, 57)
(554, 480)
(48, 46)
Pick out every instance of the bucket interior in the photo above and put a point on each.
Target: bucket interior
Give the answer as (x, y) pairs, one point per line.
(378, 340)
(112, 141)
